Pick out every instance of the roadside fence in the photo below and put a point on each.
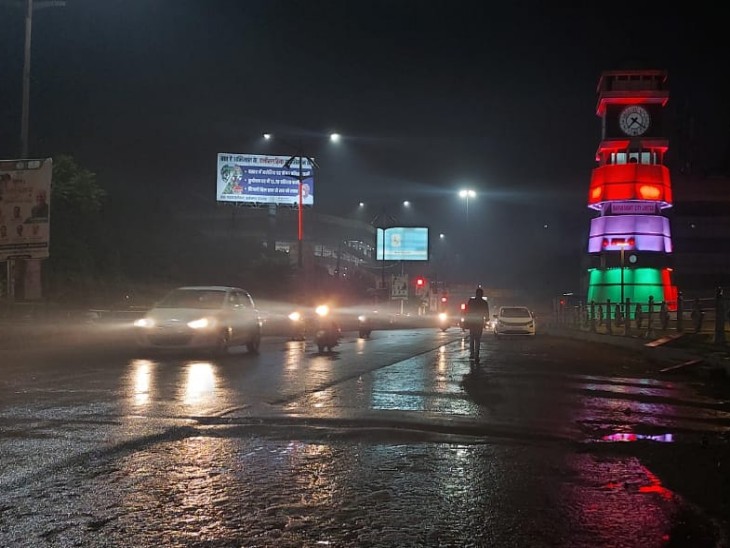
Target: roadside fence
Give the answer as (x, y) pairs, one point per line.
(704, 315)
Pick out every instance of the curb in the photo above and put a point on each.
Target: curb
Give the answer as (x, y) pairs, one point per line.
(663, 354)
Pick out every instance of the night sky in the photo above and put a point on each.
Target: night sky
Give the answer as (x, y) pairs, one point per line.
(429, 96)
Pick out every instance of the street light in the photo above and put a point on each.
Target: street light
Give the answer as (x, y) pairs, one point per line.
(300, 177)
(467, 193)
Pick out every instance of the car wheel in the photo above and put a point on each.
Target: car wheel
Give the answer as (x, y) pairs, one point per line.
(254, 344)
(223, 342)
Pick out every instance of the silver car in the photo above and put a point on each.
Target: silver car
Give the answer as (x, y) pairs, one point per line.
(202, 317)
(514, 320)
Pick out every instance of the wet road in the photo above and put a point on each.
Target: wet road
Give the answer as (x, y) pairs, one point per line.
(393, 441)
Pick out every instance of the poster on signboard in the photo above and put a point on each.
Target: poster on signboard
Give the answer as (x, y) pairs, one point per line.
(25, 207)
(399, 287)
(263, 179)
(402, 243)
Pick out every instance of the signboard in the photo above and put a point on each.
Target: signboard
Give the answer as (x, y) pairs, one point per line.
(25, 200)
(399, 287)
(633, 208)
(262, 179)
(402, 243)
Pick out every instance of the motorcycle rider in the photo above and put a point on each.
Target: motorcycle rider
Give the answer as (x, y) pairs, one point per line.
(476, 315)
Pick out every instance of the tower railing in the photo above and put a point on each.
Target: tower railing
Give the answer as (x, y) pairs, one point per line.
(704, 315)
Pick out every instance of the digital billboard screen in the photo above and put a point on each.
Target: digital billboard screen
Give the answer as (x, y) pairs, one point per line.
(402, 243)
(263, 179)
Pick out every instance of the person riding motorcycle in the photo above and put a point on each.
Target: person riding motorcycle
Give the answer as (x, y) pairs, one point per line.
(327, 330)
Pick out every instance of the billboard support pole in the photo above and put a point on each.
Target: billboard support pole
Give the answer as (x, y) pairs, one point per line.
(300, 231)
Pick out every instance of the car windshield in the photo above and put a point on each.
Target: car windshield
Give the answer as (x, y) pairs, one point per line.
(193, 298)
(515, 312)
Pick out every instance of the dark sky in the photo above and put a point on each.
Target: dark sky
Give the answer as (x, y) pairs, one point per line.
(429, 96)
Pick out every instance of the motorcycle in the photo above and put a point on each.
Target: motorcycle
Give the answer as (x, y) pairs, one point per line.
(327, 332)
(297, 326)
(444, 321)
(364, 326)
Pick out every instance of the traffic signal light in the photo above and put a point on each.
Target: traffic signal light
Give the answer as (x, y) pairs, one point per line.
(420, 285)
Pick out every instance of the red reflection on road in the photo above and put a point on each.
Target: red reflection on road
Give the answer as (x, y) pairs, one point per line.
(655, 486)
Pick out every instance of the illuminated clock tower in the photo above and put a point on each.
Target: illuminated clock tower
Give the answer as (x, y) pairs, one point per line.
(630, 243)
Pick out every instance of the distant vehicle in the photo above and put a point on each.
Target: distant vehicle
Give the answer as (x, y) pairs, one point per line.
(327, 332)
(364, 326)
(514, 320)
(212, 318)
(444, 321)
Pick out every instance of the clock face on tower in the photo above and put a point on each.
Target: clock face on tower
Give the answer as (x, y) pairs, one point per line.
(634, 120)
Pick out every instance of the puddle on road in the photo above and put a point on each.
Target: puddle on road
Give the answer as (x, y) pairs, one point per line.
(628, 437)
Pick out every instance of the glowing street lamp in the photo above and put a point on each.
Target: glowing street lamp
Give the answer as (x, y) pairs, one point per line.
(466, 194)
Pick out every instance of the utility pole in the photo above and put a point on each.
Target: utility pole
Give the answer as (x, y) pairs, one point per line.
(25, 113)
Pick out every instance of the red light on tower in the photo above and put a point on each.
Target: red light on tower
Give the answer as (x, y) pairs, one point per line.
(420, 282)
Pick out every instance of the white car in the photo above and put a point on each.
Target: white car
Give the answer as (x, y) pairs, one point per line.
(202, 317)
(514, 320)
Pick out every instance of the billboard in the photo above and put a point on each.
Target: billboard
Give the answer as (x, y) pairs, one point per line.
(25, 202)
(402, 243)
(262, 179)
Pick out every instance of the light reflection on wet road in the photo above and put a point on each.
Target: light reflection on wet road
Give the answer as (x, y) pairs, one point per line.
(391, 441)
(249, 491)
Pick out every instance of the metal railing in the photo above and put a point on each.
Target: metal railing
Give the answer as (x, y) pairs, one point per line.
(708, 316)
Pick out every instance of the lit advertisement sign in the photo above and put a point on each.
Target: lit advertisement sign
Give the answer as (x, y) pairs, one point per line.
(258, 178)
(402, 243)
(25, 203)
(636, 232)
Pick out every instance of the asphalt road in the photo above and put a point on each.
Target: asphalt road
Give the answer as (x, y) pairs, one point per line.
(393, 441)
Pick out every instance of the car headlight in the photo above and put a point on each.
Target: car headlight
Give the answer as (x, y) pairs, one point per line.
(202, 323)
(295, 316)
(443, 316)
(362, 319)
(322, 310)
(144, 322)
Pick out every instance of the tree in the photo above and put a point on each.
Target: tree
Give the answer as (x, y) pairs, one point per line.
(77, 250)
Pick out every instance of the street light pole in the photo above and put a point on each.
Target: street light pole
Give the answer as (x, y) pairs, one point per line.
(622, 276)
(622, 247)
(300, 212)
(25, 112)
(300, 220)
(26, 80)
(334, 138)
(467, 193)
